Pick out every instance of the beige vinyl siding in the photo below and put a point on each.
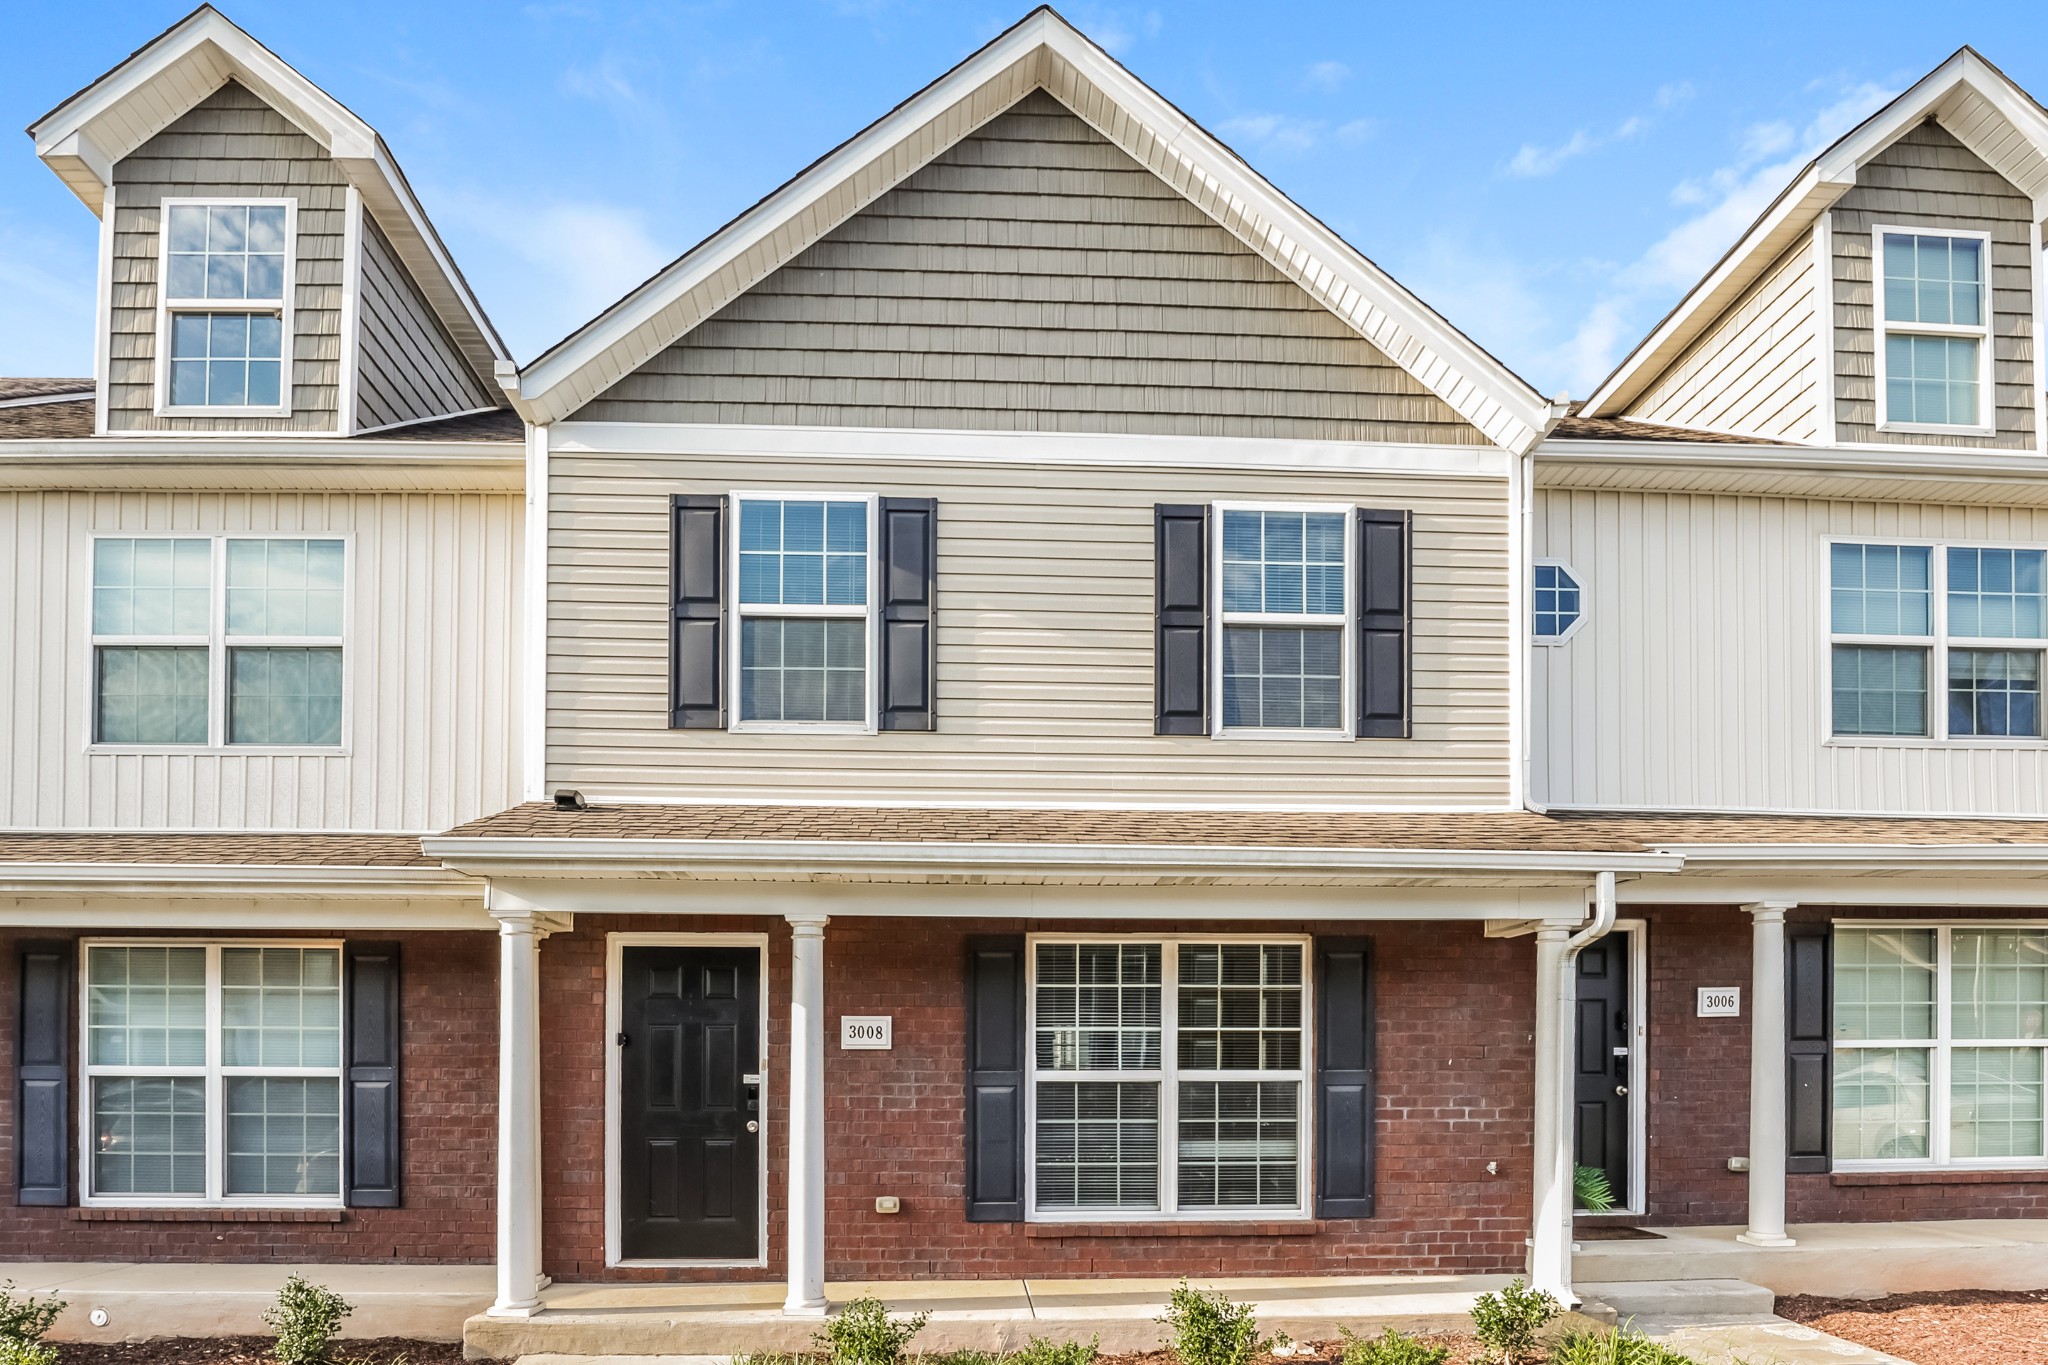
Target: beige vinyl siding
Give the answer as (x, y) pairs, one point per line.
(1034, 277)
(430, 720)
(230, 144)
(1755, 369)
(1701, 678)
(1044, 647)
(1929, 179)
(409, 369)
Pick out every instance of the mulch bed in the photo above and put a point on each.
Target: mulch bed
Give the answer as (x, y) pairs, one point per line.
(1463, 1347)
(1955, 1327)
(250, 1351)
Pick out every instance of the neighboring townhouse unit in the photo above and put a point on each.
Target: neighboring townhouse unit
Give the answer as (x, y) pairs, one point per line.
(1021, 710)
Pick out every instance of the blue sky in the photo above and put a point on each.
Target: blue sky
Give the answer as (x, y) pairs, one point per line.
(1551, 178)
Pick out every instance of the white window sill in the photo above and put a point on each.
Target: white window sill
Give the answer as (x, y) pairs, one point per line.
(1289, 736)
(1925, 742)
(1932, 429)
(160, 1205)
(224, 412)
(799, 727)
(221, 750)
(1141, 1218)
(2033, 1167)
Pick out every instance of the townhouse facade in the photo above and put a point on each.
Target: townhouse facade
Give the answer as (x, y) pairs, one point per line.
(1021, 709)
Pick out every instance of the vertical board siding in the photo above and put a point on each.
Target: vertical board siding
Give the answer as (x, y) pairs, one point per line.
(1034, 277)
(230, 144)
(1044, 646)
(1700, 679)
(431, 695)
(409, 368)
(1754, 370)
(1929, 179)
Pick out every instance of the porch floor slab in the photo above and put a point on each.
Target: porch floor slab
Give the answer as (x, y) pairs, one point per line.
(645, 1320)
(1840, 1260)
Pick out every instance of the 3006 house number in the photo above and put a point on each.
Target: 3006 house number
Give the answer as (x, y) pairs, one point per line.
(858, 1031)
(1719, 1002)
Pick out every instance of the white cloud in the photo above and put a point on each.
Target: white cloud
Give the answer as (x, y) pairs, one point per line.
(1289, 133)
(1727, 200)
(1326, 76)
(1674, 93)
(1533, 161)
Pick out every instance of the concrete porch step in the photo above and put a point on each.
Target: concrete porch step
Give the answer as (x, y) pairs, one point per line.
(654, 1321)
(1690, 1299)
(1840, 1260)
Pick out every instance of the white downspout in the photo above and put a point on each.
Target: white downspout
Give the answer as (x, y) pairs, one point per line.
(1550, 1237)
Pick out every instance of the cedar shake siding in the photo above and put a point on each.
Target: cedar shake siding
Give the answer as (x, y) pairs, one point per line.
(230, 145)
(1045, 640)
(1927, 179)
(1035, 277)
(410, 368)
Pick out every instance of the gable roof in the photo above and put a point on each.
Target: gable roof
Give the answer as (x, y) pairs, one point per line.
(84, 137)
(1982, 106)
(1043, 51)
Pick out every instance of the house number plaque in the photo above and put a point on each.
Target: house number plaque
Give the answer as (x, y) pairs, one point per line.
(1720, 1002)
(858, 1031)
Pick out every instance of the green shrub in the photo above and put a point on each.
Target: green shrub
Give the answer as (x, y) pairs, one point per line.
(305, 1318)
(15, 1351)
(1209, 1329)
(865, 1334)
(1046, 1351)
(24, 1320)
(1590, 1190)
(1391, 1348)
(1600, 1346)
(1509, 1320)
(772, 1358)
(963, 1356)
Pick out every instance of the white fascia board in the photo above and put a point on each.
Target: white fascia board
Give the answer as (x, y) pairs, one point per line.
(1482, 390)
(240, 909)
(871, 444)
(705, 857)
(1933, 461)
(1868, 859)
(229, 879)
(1808, 886)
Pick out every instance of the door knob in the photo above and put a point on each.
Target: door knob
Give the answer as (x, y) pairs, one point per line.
(1621, 1090)
(752, 1126)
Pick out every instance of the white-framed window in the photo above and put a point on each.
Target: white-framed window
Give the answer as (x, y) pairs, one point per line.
(224, 307)
(1169, 1077)
(208, 641)
(1933, 291)
(1938, 1045)
(806, 579)
(1285, 641)
(1902, 616)
(1557, 601)
(212, 1072)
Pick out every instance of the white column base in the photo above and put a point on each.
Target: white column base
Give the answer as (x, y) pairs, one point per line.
(809, 1309)
(1765, 1239)
(532, 1308)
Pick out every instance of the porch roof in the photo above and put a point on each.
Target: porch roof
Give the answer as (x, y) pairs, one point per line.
(152, 848)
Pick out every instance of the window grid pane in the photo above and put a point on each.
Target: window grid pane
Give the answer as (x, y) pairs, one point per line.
(1239, 1144)
(1557, 601)
(793, 669)
(1283, 562)
(225, 251)
(1995, 594)
(1994, 692)
(1884, 984)
(280, 1007)
(1881, 589)
(1995, 1103)
(284, 587)
(1097, 1007)
(226, 360)
(150, 694)
(149, 1135)
(146, 1006)
(1998, 983)
(1933, 279)
(1931, 380)
(283, 1136)
(1880, 690)
(285, 696)
(1240, 1007)
(1283, 677)
(1881, 1104)
(1097, 1144)
(803, 553)
(152, 586)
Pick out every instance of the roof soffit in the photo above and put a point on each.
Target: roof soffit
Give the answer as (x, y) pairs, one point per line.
(1041, 52)
(1966, 94)
(84, 137)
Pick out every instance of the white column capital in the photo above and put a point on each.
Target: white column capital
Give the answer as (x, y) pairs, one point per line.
(1770, 911)
(538, 923)
(808, 923)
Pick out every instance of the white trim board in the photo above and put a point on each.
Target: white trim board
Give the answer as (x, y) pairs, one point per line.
(1042, 51)
(614, 959)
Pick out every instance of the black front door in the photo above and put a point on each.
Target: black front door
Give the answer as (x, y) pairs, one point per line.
(689, 1104)
(1600, 1071)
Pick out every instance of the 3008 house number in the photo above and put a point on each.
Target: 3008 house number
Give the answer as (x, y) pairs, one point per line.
(857, 1031)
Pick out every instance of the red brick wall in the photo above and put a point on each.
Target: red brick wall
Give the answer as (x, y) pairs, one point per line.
(1699, 1112)
(449, 1018)
(1455, 1082)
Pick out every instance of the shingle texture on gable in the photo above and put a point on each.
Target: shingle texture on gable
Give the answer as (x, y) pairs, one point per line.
(1035, 277)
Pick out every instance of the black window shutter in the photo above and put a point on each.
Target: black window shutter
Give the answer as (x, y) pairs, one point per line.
(1180, 647)
(995, 1079)
(1345, 1099)
(1383, 630)
(42, 1056)
(696, 639)
(370, 1088)
(909, 558)
(1809, 1061)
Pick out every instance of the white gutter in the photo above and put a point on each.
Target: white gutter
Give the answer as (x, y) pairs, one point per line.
(207, 878)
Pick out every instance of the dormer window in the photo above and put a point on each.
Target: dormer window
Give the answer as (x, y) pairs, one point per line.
(1935, 317)
(225, 308)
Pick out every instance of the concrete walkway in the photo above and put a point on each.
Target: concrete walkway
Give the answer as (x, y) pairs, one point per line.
(1840, 1260)
(1763, 1339)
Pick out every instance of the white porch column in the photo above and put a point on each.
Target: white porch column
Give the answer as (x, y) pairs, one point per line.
(807, 1117)
(519, 1277)
(1767, 1076)
(1550, 1227)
